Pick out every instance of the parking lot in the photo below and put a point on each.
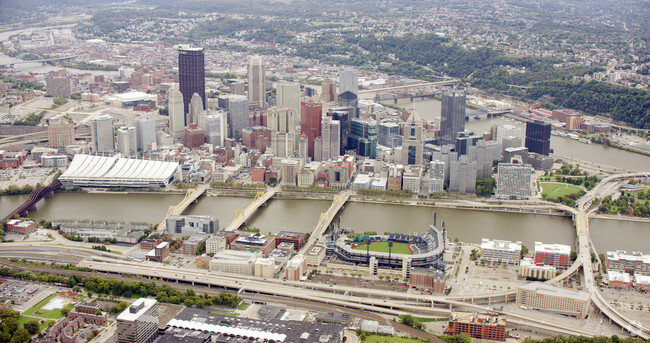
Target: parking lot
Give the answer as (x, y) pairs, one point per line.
(20, 292)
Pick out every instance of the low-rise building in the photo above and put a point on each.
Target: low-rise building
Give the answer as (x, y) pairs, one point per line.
(316, 255)
(565, 301)
(636, 262)
(295, 238)
(159, 253)
(265, 267)
(618, 279)
(191, 224)
(215, 243)
(556, 255)
(22, 227)
(427, 279)
(479, 326)
(528, 269)
(642, 283)
(234, 262)
(296, 267)
(261, 244)
(497, 251)
(190, 244)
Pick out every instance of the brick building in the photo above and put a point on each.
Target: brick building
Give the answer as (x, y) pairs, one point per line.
(480, 326)
(556, 255)
(295, 238)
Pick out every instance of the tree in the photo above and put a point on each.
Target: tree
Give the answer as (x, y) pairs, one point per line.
(573, 255)
(32, 327)
(524, 250)
(21, 336)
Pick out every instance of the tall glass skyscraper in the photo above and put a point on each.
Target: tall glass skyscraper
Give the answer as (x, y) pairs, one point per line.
(452, 114)
(191, 75)
(538, 137)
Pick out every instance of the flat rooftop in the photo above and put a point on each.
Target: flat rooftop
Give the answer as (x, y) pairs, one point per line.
(545, 289)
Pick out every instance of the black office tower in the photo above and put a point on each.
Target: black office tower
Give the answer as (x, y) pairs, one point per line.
(538, 137)
(191, 75)
(452, 114)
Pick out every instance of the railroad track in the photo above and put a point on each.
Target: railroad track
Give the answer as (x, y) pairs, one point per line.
(313, 305)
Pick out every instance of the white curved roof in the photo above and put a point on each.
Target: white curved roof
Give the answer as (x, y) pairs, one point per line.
(99, 171)
(226, 330)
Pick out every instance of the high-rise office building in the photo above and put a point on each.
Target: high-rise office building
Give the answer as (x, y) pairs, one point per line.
(196, 108)
(363, 137)
(281, 119)
(127, 142)
(103, 133)
(513, 181)
(191, 75)
(349, 81)
(288, 94)
(60, 135)
(256, 80)
(310, 123)
(343, 115)
(538, 137)
(349, 99)
(176, 113)
(145, 131)
(139, 322)
(215, 129)
(330, 139)
(452, 114)
(237, 115)
(412, 144)
(388, 135)
(436, 177)
(462, 176)
(328, 90)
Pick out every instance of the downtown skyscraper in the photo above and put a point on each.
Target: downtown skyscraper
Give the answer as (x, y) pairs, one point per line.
(452, 114)
(191, 75)
(256, 80)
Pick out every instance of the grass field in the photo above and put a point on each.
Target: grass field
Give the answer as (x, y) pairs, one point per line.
(23, 319)
(554, 190)
(390, 339)
(398, 248)
(36, 311)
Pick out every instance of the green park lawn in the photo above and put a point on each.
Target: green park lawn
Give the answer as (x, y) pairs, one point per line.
(56, 313)
(554, 189)
(24, 319)
(398, 248)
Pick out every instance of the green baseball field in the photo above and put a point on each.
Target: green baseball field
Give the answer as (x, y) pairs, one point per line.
(382, 246)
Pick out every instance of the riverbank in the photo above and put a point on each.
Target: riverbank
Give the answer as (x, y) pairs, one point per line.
(620, 217)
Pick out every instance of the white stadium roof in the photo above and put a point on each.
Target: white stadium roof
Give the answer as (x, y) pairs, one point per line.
(100, 171)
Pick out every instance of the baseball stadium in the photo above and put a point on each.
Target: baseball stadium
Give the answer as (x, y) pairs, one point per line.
(390, 251)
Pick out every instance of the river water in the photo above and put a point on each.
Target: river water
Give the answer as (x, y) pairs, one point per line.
(302, 215)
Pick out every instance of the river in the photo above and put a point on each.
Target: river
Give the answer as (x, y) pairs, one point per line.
(39, 67)
(302, 215)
